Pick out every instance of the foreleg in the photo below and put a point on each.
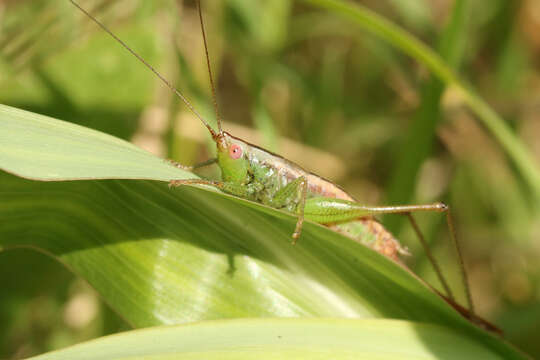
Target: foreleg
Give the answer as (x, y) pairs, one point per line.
(228, 187)
(192, 167)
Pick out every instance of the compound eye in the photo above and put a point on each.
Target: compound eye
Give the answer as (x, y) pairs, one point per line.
(235, 151)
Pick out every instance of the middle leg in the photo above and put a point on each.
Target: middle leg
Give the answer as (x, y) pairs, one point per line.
(294, 194)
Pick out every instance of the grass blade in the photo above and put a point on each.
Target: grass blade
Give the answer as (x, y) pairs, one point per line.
(284, 339)
(42, 148)
(422, 129)
(399, 38)
(162, 256)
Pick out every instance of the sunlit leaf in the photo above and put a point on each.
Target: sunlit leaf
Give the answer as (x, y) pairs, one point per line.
(283, 339)
(42, 148)
(164, 256)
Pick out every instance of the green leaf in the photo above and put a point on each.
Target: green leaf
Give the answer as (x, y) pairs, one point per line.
(283, 339)
(164, 256)
(42, 148)
(423, 126)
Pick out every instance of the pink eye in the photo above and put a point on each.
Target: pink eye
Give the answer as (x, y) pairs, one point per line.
(235, 151)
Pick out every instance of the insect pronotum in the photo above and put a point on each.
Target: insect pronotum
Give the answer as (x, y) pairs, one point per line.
(253, 173)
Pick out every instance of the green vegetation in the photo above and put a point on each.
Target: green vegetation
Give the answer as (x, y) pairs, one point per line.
(358, 107)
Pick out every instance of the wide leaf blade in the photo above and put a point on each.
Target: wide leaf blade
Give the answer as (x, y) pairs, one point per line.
(283, 339)
(164, 256)
(42, 148)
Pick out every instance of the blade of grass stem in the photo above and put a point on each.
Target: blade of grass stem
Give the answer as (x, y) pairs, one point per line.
(401, 39)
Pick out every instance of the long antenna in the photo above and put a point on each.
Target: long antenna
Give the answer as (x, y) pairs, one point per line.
(165, 81)
(209, 68)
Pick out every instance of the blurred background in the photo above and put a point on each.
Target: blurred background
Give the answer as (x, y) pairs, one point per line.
(319, 91)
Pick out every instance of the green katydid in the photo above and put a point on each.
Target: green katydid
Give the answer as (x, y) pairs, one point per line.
(255, 174)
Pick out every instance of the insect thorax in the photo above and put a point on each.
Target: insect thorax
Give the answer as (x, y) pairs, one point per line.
(274, 172)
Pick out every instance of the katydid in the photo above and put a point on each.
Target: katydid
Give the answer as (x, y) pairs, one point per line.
(253, 173)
